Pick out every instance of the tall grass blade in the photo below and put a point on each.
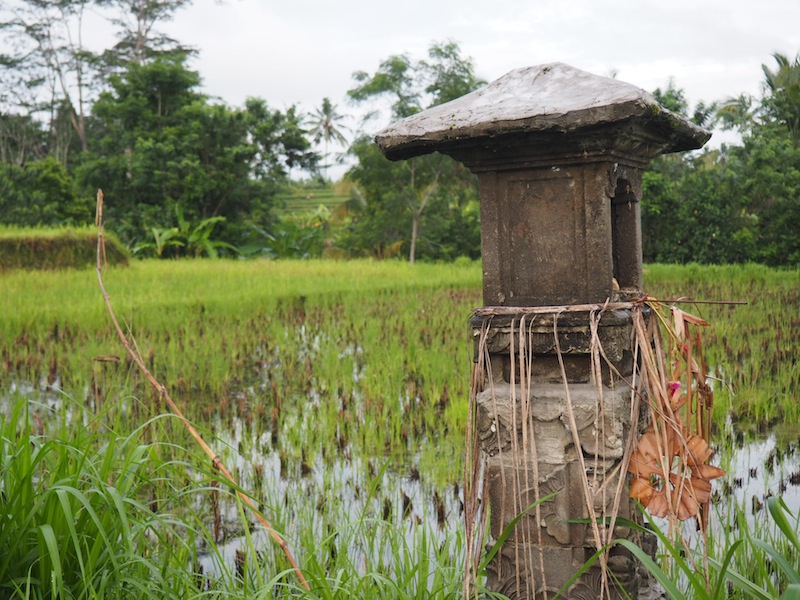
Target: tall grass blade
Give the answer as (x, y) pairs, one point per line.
(665, 580)
(509, 529)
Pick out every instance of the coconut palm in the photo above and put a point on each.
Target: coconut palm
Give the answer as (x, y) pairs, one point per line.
(739, 112)
(326, 127)
(784, 86)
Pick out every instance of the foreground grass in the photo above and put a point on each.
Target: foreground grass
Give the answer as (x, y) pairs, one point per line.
(91, 512)
(74, 523)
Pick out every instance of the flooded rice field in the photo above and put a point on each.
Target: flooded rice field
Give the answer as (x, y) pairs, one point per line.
(342, 411)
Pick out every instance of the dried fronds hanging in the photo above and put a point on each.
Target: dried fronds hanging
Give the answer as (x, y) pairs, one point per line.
(547, 455)
(540, 438)
(670, 469)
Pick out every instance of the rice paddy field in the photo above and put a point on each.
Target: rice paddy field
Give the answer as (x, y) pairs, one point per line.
(336, 393)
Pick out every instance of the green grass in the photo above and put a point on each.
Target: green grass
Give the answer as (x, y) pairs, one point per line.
(762, 564)
(336, 391)
(75, 522)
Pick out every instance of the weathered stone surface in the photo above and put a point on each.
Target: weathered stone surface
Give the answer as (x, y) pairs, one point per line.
(559, 155)
(554, 98)
(519, 492)
(614, 333)
(556, 233)
(528, 572)
(602, 424)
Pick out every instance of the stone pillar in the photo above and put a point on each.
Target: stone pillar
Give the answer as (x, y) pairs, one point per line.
(559, 155)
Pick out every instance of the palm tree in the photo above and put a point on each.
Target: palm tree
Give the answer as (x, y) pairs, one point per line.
(784, 86)
(737, 113)
(326, 126)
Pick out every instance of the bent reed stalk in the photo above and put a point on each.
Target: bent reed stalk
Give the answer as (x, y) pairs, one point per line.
(164, 394)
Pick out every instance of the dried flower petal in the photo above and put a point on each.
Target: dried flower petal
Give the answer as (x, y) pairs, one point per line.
(706, 472)
(689, 505)
(699, 452)
(642, 490)
(658, 506)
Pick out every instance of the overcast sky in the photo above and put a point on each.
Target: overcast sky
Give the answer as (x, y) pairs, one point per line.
(299, 51)
(296, 52)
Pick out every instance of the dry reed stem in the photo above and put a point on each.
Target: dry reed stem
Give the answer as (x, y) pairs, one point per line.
(486, 311)
(596, 352)
(517, 507)
(475, 513)
(528, 430)
(587, 493)
(164, 394)
(681, 404)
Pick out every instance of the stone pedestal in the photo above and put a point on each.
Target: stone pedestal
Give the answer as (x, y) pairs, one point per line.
(530, 413)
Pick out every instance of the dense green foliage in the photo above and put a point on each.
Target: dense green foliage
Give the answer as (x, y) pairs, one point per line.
(163, 147)
(739, 203)
(734, 205)
(60, 248)
(427, 206)
(131, 121)
(41, 193)
(186, 175)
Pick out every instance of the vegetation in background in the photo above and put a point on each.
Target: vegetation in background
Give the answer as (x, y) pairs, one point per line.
(428, 204)
(326, 126)
(55, 248)
(130, 120)
(740, 203)
(301, 197)
(164, 150)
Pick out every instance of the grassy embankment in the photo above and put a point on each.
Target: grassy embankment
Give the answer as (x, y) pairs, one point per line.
(55, 248)
(307, 197)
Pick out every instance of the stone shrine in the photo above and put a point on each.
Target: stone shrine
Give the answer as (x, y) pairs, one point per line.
(559, 155)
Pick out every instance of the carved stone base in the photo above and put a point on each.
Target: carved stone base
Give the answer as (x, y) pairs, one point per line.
(531, 452)
(522, 572)
(602, 424)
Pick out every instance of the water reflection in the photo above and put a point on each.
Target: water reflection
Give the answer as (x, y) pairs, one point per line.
(758, 468)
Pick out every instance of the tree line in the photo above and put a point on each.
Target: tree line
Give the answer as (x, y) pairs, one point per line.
(185, 174)
(741, 202)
